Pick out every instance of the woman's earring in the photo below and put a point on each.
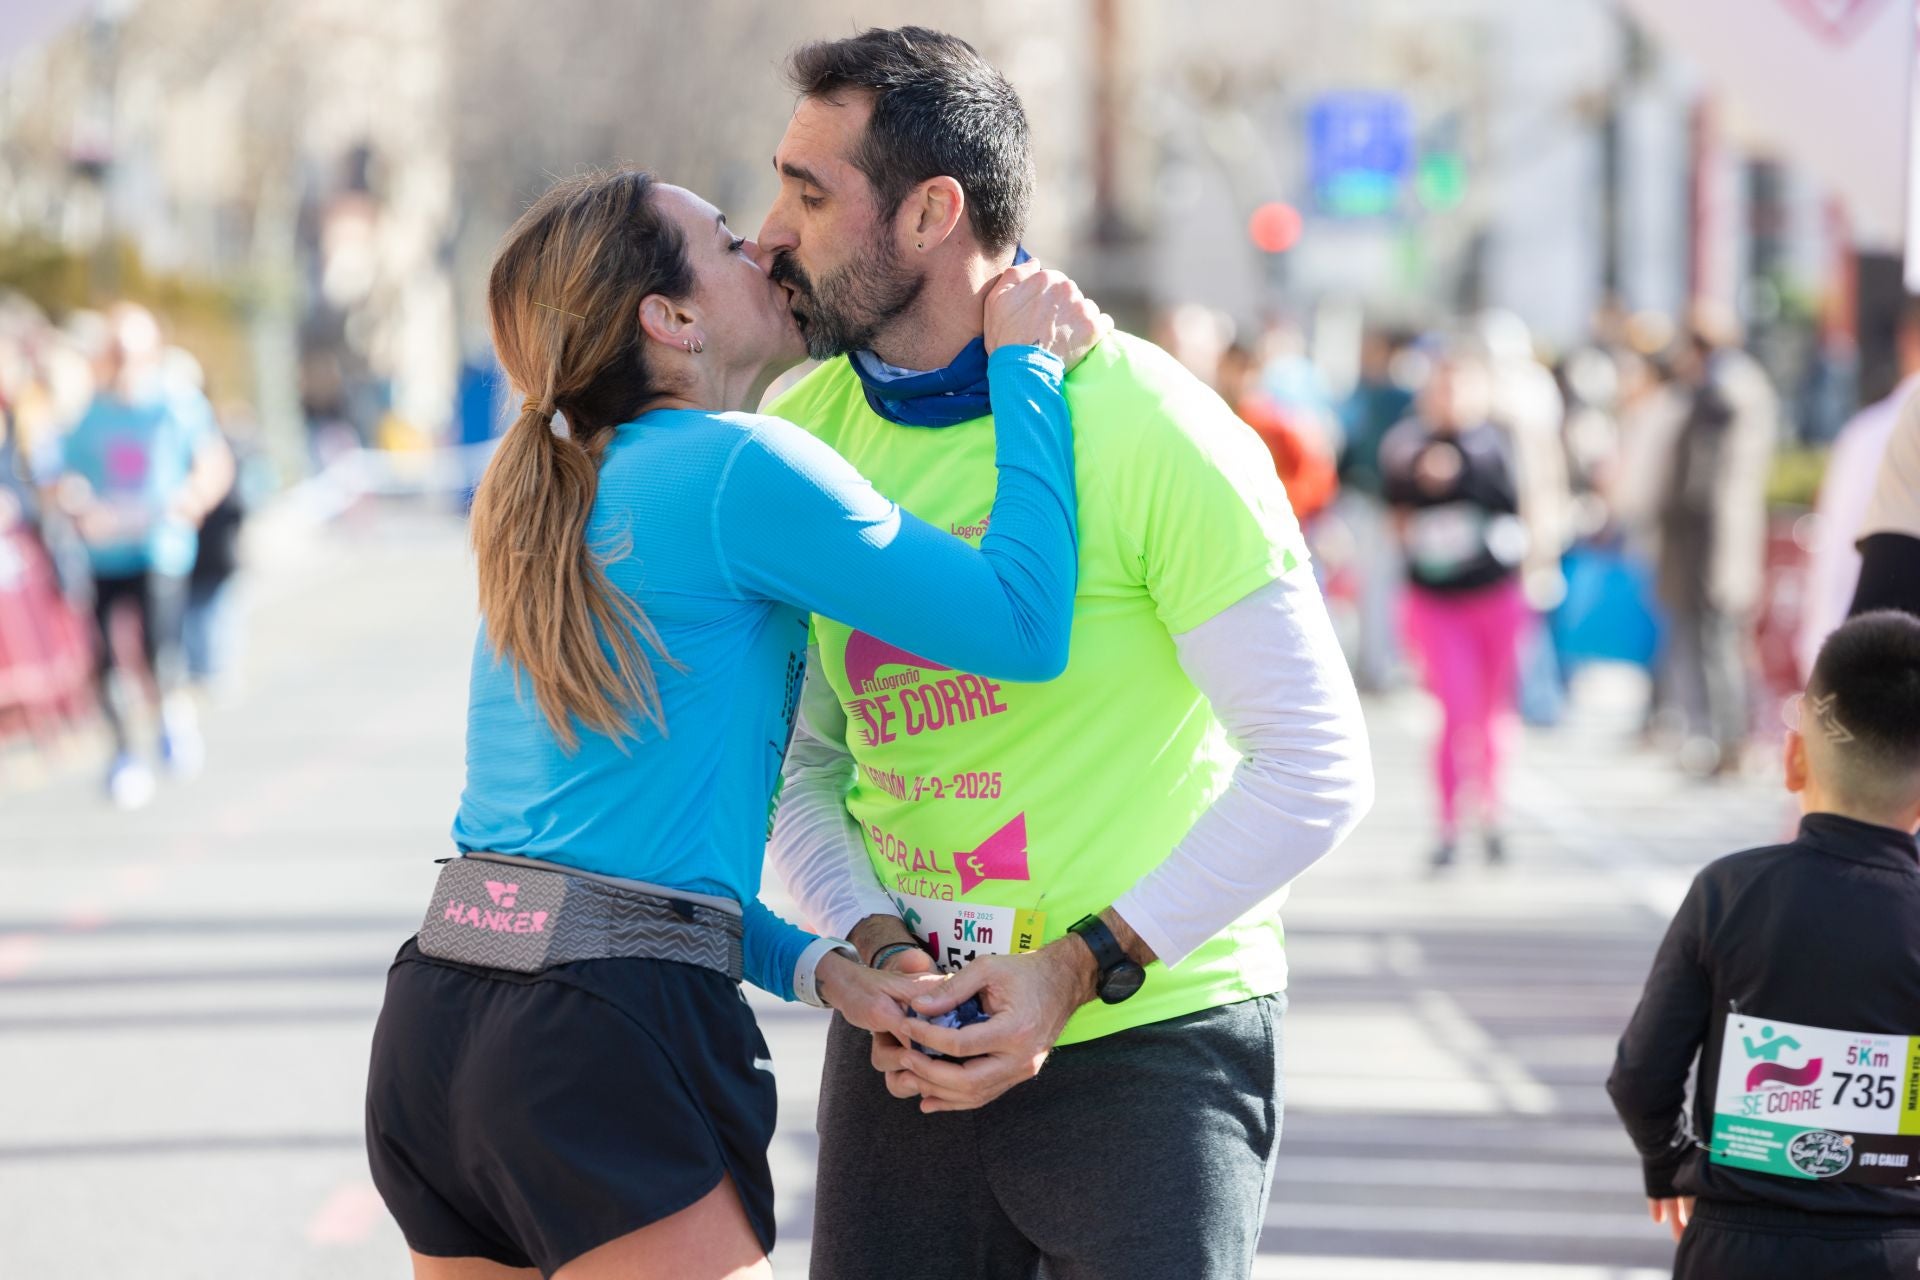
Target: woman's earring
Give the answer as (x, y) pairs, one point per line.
(688, 344)
(698, 346)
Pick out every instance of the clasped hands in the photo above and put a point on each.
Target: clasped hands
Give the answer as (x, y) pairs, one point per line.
(1028, 998)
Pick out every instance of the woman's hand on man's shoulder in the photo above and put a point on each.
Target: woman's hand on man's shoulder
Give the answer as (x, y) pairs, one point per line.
(1031, 306)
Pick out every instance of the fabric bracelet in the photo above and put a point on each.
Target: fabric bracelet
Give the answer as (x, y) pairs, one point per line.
(887, 953)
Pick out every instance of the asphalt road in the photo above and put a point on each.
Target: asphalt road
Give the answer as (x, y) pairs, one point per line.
(186, 993)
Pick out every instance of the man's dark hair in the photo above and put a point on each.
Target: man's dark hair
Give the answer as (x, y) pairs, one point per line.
(1864, 700)
(939, 109)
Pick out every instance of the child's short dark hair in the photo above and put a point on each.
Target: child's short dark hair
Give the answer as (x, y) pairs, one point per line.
(1864, 702)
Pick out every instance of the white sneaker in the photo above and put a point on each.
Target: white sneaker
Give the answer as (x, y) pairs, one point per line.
(181, 746)
(130, 783)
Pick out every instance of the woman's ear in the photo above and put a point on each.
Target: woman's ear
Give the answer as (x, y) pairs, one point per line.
(668, 322)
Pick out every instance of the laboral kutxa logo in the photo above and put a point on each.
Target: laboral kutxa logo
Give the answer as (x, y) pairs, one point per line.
(928, 873)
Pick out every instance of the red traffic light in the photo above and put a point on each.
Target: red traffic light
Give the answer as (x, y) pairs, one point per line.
(1274, 227)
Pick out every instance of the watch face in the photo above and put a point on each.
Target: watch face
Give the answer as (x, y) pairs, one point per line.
(1122, 981)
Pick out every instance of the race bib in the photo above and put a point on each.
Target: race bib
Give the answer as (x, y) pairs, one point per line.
(1442, 539)
(956, 933)
(1811, 1102)
(130, 517)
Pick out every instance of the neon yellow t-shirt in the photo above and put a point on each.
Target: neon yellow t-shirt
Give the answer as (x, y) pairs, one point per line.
(998, 814)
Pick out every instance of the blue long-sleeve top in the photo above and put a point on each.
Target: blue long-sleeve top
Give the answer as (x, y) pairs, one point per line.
(728, 529)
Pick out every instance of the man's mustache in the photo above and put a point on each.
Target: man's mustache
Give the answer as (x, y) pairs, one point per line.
(788, 272)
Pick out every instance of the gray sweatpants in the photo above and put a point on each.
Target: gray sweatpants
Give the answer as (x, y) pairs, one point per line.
(1146, 1155)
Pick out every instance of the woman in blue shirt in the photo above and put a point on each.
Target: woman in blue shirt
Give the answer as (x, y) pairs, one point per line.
(645, 584)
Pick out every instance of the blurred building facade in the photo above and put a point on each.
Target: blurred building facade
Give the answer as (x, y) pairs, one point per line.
(1547, 165)
(351, 164)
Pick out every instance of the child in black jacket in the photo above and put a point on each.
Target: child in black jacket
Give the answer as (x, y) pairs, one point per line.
(1793, 973)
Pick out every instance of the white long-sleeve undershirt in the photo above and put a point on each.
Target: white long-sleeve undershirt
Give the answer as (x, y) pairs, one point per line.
(1272, 670)
(815, 845)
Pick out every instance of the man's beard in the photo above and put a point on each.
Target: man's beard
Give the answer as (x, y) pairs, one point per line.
(848, 308)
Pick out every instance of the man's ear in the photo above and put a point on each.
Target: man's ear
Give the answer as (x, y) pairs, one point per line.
(1796, 761)
(931, 213)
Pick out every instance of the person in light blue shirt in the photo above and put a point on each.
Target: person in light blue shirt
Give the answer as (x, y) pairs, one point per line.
(137, 473)
(645, 584)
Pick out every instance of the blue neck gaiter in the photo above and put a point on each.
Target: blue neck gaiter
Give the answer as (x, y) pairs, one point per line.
(937, 398)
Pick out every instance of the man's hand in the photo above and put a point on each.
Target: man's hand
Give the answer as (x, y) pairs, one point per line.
(1029, 999)
(1677, 1211)
(876, 932)
(873, 935)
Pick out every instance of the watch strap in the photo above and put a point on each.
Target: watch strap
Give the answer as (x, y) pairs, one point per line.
(1108, 954)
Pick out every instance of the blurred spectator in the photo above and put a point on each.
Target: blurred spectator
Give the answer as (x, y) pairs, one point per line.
(1302, 456)
(1590, 434)
(1196, 336)
(479, 414)
(1652, 407)
(44, 660)
(1713, 528)
(1528, 406)
(1450, 476)
(214, 631)
(16, 480)
(1292, 380)
(1381, 398)
(1890, 534)
(1833, 571)
(1378, 402)
(211, 627)
(1608, 614)
(1649, 411)
(138, 473)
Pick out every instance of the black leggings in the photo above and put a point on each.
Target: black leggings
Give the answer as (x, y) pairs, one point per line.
(160, 600)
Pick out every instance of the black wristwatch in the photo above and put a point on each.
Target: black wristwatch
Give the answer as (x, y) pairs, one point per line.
(1119, 976)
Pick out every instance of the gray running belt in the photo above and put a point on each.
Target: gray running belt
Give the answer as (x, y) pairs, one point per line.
(525, 915)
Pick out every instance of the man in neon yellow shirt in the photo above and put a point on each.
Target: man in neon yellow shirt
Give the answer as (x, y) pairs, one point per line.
(1100, 858)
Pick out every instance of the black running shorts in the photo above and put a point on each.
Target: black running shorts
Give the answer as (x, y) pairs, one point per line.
(530, 1118)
